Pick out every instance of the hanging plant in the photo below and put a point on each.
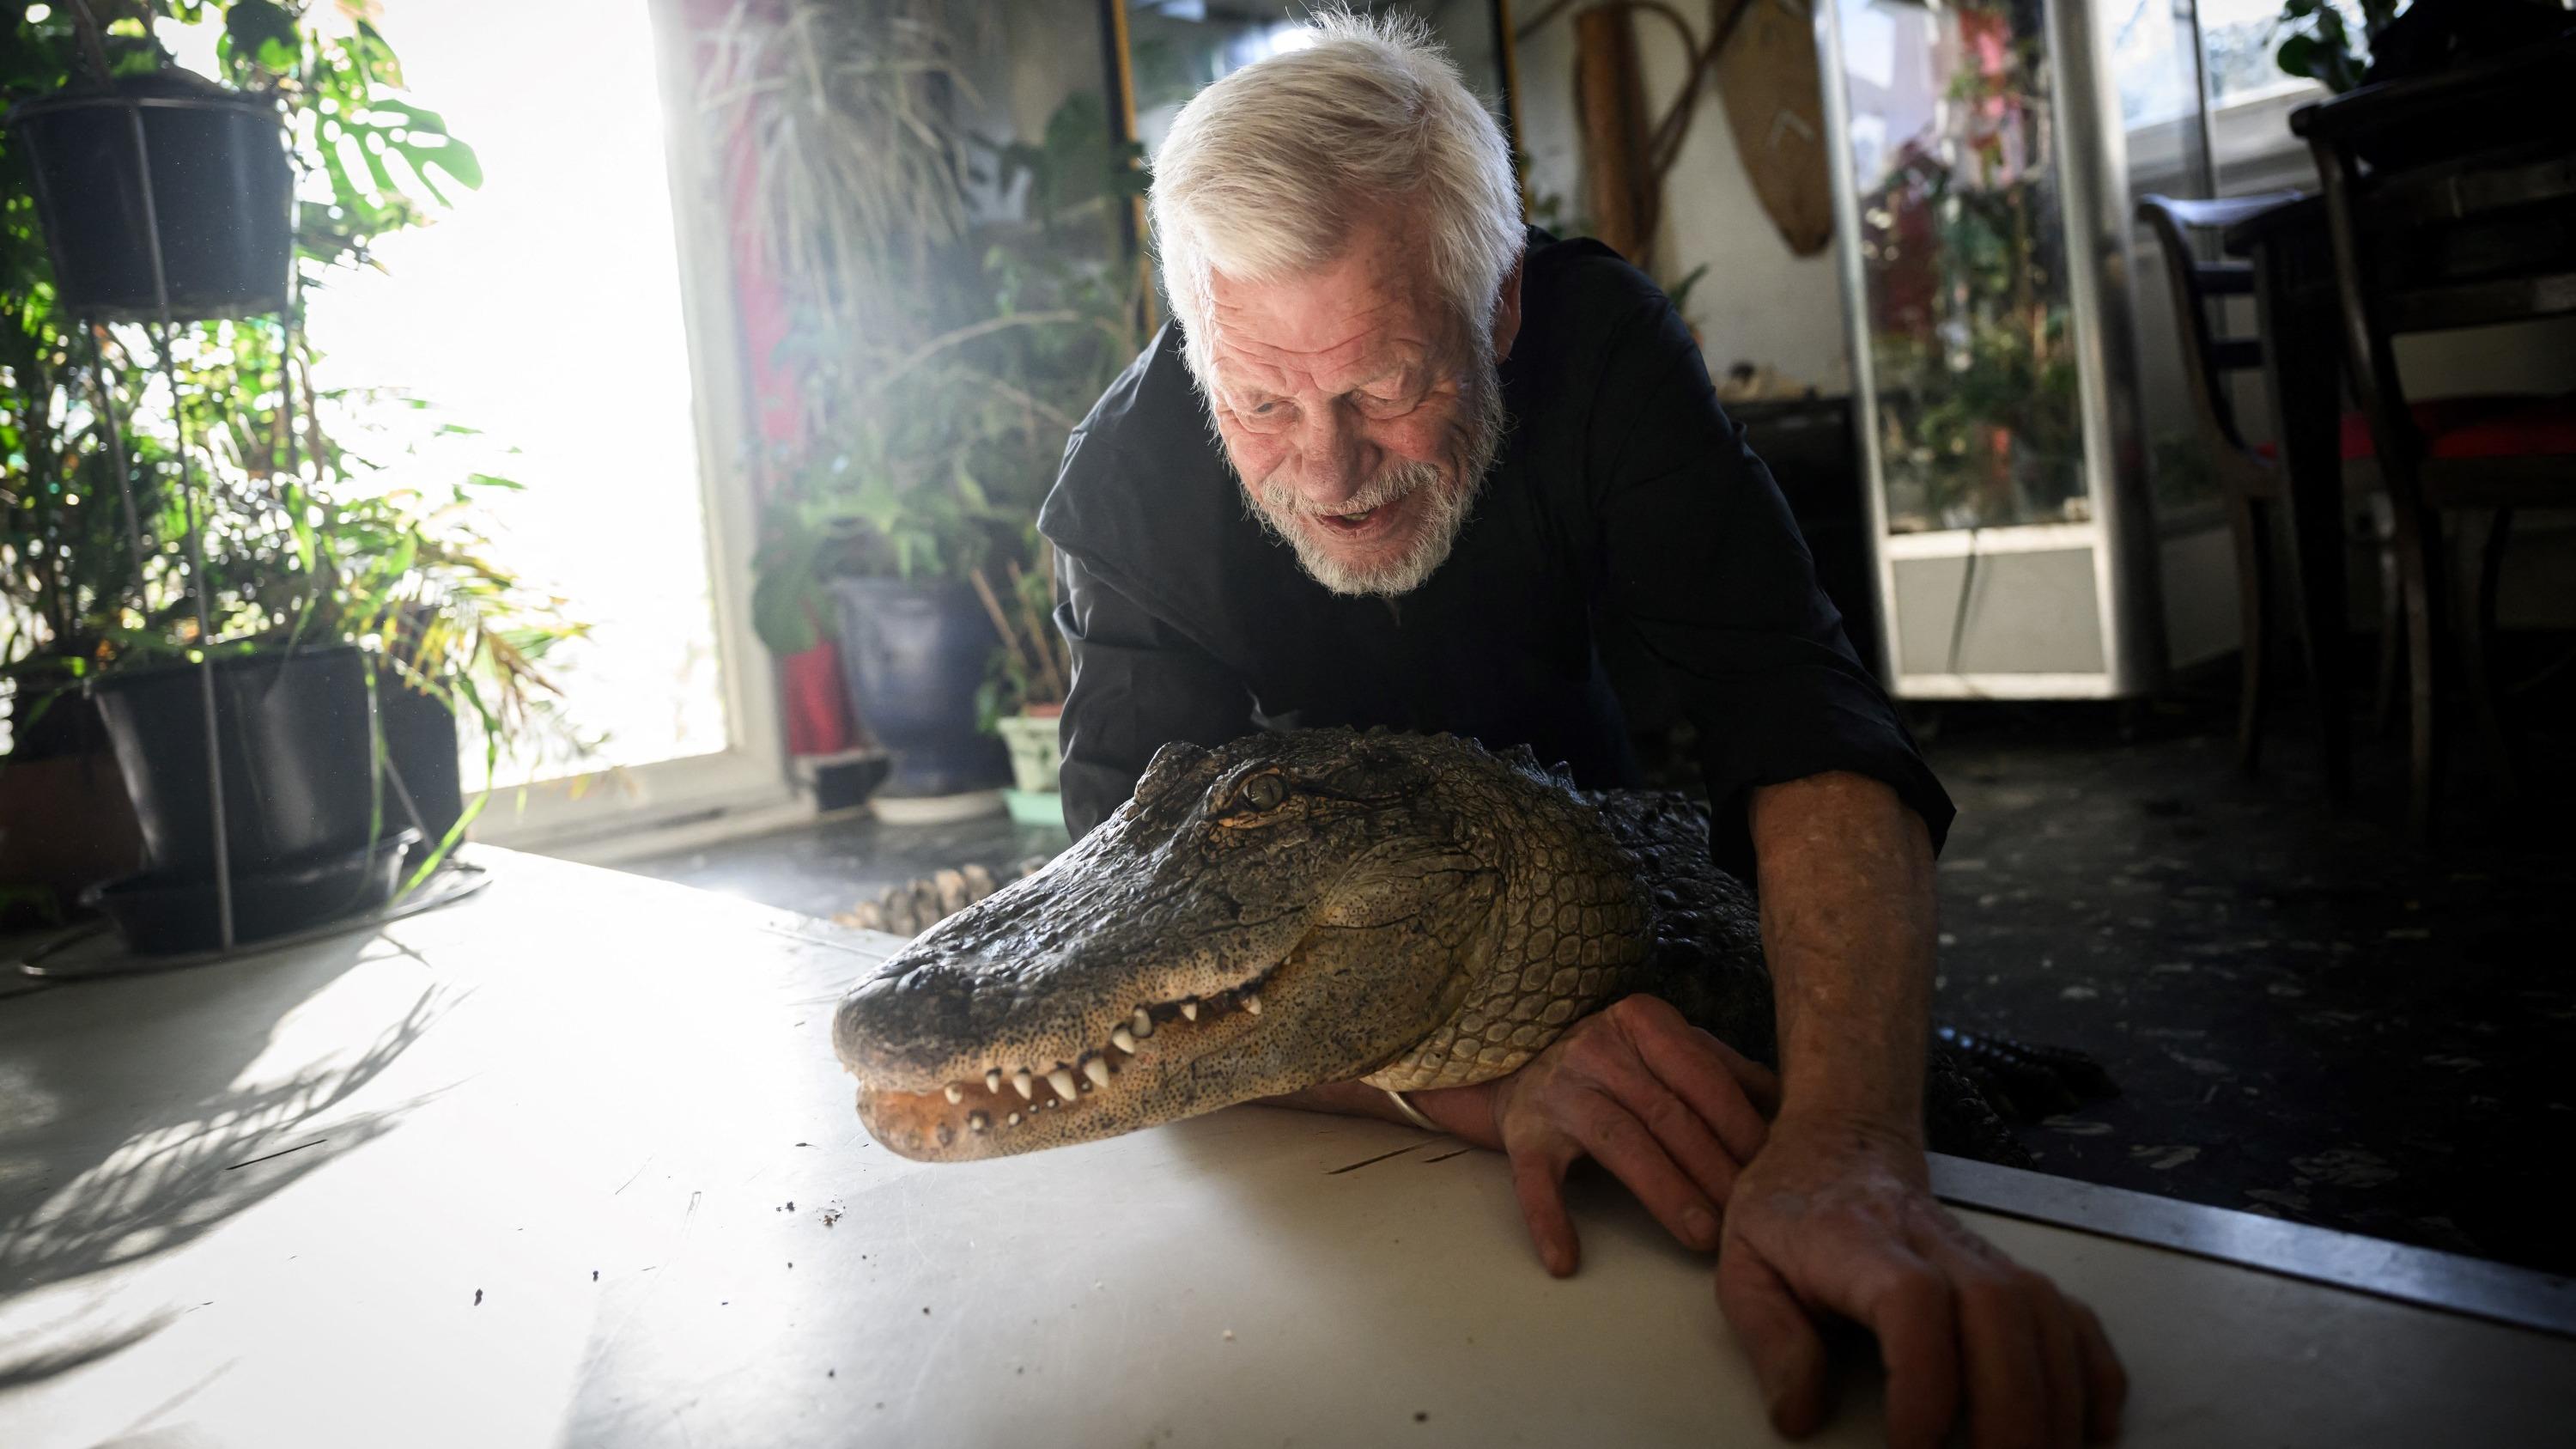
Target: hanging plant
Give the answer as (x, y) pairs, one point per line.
(302, 544)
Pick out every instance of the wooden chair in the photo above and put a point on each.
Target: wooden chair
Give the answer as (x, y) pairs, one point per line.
(2451, 202)
(2251, 479)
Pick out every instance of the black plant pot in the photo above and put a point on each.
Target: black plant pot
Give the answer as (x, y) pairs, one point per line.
(309, 838)
(299, 760)
(159, 913)
(915, 653)
(420, 747)
(222, 193)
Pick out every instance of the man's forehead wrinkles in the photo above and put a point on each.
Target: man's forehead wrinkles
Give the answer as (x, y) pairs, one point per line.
(1367, 328)
(1248, 362)
(1342, 327)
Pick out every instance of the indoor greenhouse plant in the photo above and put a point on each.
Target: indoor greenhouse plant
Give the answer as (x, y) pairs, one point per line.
(1023, 700)
(957, 303)
(382, 600)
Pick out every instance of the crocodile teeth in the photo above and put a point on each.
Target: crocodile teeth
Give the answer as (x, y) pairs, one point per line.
(1013, 1119)
(1144, 1024)
(1097, 1070)
(978, 1121)
(1190, 1009)
(1062, 1080)
(992, 1079)
(1252, 1003)
(1123, 1039)
(956, 1093)
(1023, 1083)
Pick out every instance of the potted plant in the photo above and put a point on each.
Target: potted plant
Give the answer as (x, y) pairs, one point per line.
(957, 305)
(159, 188)
(337, 624)
(64, 820)
(1023, 697)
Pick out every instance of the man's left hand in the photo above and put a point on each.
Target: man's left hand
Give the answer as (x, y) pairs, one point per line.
(1837, 1217)
(1668, 1108)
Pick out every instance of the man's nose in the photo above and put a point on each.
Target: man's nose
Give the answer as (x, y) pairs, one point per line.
(1335, 458)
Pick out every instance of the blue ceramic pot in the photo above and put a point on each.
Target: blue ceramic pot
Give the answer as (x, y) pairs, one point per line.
(914, 653)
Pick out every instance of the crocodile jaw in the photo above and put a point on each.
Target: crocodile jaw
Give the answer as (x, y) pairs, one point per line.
(997, 1108)
(1206, 1052)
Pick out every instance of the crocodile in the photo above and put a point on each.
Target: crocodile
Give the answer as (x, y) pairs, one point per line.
(1310, 906)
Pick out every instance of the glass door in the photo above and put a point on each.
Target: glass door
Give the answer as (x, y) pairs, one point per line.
(1963, 262)
(1982, 212)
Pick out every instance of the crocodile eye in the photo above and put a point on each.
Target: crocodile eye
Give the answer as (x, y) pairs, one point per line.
(1265, 792)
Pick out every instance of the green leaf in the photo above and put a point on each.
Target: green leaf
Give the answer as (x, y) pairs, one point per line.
(264, 31)
(783, 606)
(2297, 57)
(450, 155)
(376, 168)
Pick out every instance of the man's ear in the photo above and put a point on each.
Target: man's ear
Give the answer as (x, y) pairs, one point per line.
(1507, 311)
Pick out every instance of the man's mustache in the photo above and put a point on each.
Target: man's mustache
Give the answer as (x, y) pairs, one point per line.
(1391, 485)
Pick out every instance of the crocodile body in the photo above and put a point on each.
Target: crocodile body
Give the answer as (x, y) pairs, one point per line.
(1305, 907)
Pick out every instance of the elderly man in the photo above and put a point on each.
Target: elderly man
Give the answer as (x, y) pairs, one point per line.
(1448, 453)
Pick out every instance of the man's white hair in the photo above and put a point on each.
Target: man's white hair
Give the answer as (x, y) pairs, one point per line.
(1265, 173)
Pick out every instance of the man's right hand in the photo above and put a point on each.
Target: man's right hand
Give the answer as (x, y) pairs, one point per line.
(1837, 1219)
(1669, 1109)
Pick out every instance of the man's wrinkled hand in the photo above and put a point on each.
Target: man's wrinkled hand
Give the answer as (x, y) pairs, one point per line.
(1669, 1109)
(1836, 1218)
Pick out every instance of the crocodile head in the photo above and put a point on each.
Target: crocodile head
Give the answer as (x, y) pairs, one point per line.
(1291, 909)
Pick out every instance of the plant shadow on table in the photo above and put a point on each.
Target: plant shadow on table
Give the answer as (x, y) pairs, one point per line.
(116, 1149)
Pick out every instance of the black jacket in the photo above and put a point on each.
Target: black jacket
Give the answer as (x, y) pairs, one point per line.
(1622, 498)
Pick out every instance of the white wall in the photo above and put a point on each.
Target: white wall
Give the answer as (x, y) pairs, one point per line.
(1758, 303)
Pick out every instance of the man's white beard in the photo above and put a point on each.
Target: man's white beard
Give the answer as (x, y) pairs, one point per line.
(1443, 510)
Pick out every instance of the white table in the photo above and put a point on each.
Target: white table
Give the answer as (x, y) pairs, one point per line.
(255, 1204)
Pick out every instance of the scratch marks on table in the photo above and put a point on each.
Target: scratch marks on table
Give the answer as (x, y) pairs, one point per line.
(638, 1172)
(1365, 1161)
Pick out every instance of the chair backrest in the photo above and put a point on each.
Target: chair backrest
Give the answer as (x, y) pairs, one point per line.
(2207, 356)
(2451, 202)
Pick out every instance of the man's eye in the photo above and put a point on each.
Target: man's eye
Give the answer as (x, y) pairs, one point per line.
(1263, 410)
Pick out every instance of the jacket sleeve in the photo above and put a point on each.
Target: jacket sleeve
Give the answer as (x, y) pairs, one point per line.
(1700, 557)
(1138, 685)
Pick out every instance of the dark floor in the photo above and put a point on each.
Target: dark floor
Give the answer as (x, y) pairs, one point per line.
(2308, 1017)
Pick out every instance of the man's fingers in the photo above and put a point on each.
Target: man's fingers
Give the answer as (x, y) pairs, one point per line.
(1680, 1127)
(2064, 1362)
(2106, 1384)
(1911, 1308)
(1684, 1133)
(1724, 1087)
(1617, 1140)
(1760, 1084)
(2007, 1378)
(1538, 1180)
(1788, 1355)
